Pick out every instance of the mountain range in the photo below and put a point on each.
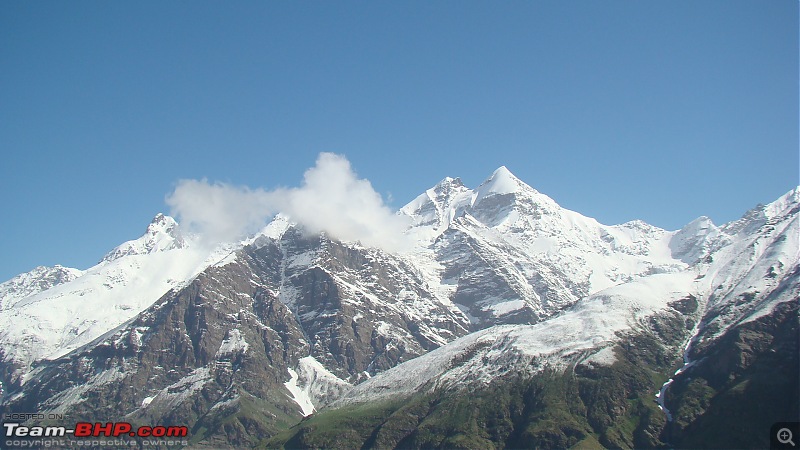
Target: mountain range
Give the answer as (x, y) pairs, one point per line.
(507, 321)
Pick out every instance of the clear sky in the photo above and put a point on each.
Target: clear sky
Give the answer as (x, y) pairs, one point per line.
(620, 110)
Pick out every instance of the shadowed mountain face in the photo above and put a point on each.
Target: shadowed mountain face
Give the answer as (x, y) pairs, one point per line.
(560, 330)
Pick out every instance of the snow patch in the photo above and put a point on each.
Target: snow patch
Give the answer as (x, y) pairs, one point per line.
(65, 399)
(174, 394)
(299, 396)
(604, 357)
(234, 342)
(320, 384)
(503, 308)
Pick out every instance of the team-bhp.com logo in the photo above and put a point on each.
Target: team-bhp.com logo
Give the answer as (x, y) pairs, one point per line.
(97, 429)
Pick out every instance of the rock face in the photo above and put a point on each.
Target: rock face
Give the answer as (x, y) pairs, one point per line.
(749, 376)
(504, 295)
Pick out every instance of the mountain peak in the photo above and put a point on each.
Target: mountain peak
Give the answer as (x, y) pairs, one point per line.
(448, 186)
(163, 233)
(162, 223)
(502, 181)
(448, 183)
(784, 204)
(503, 170)
(37, 280)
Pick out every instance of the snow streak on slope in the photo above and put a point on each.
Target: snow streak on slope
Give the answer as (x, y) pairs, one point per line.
(313, 385)
(298, 395)
(319, 384)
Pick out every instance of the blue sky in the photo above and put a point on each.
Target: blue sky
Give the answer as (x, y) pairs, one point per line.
(620, 110)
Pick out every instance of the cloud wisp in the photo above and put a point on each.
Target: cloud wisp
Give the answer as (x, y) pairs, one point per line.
(331, 199)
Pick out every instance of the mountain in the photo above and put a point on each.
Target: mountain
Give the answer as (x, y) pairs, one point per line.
(72, 308)
(753, 271)
(37, 280)
(503, 294)
(506, 253)
(715, 343)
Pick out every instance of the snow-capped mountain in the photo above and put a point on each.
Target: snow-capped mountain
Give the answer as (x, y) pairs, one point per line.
(244, 339)
(584, 332)
(161, 235)
(37, 280)
(506, 253)
(739, 272)
(47, 313)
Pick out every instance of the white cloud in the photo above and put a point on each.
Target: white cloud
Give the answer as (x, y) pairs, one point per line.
(331, 199)
(218, 211)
